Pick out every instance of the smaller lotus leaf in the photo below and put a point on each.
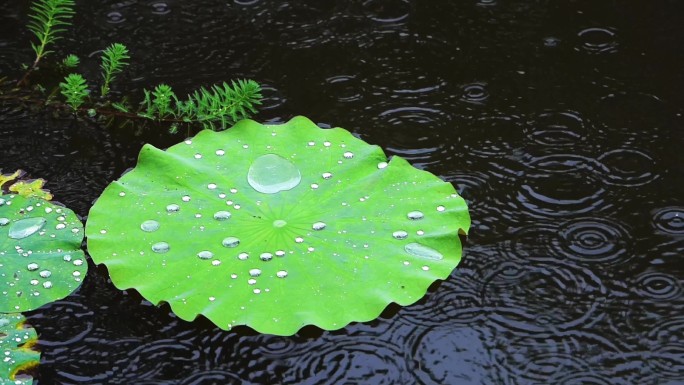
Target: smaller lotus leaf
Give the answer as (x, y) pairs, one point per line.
(4, 178)
(40, 253)
(277, 227)
(16, 341)
(32, 188)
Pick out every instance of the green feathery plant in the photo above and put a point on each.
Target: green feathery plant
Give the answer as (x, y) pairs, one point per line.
(71, 61)
(47, 20)
(113, 61)
(75, 90)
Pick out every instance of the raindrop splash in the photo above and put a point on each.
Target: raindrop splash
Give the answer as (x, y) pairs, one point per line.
(271, 173)
(26, 227)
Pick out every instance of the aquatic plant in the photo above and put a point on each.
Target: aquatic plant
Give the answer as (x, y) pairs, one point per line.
(47, 22)
(40, 247)
(16, 341)
(113, 61)
(277, 227)
(75, 90)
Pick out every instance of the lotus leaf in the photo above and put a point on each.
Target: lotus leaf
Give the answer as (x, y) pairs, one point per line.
(277, 227)
(40, 253)
(16, 341)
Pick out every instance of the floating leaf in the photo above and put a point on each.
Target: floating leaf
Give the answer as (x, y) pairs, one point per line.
(277, 227)
(16, 341)
(4, 178)
(40, 253)
(33, 188)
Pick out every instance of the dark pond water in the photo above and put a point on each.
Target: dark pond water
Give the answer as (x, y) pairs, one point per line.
(559, 122)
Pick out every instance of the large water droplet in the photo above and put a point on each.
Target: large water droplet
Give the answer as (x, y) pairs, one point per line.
(205, 254)
(32, 266)
(255, 272)
(230, 242)
(45, 273)
(423, 251)
(222, 215)
(26, 227)
(173, 208)
(401, 234)
(160, 247)
(266, 256)
(4, 221)
(149, 226)
(318, 226)
(271, 173)
(415, 215)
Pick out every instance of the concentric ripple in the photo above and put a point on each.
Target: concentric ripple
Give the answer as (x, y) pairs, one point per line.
(594, 240)
(669, 220)
(658, 286)
(558, 128)
(628, 167)
(598, 40)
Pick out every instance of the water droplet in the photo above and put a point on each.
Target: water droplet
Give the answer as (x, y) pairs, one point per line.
(32, 266)
(160, 247)
(186, 198)
(172, 208)
(243, 256)
(230, 242)
(78, 262)
(281, 274)
(245, 146)
(256, 291)
(251, 281)
(420, 232)
(47, 284)
(279, 223)
(326, 175)
(441, 208)
(233, 276)
(34, 282)
(415, 215)
(103, 231)
(45, 273)
(299, 239)
(198, 156)
(26, 227)
(425, 268)
(215, 262)
(314, 186)
(211, 186)
(205, 254)
(318, 226)
(149, 226)
(122, 194)
(222, 215)
(266, 256)
(401, 234)
(280, 253)
(255, 272)
(4, 221)
(187, 141)
(233, 191)
(212, 299)
(326, 144)
(236, 206)
(348, 155)
(222, 195)
(271, 173)
(67, 258)
(220, 152)
(382, 165)
(422, 251)
(312, 143)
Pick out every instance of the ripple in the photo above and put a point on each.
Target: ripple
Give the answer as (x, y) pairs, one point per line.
(658, 286)
(598, 40)
(475, 93)
(669, 220)
(664, 341)
(115, 17)
(361, 360)
(452, 356)
(544, 294)
(74, 320)
(272, 97)
(343, 88)
(643, 118)
(594, 240)
(160, 8)
(561, 185)
(628, 167)
(558, 128)
(387, 11)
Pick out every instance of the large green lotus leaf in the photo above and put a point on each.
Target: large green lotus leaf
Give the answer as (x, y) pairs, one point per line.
(277, 227)
(16, 355)
(40, 253)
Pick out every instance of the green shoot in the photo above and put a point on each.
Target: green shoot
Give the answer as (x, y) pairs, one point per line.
(75, 90)
(113, 61)
(71, 61)
(47, 20)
